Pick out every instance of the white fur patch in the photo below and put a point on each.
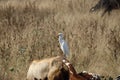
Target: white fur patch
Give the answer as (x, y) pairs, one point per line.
(67, 64)
(84, 72)
(63, 60)
(71, 72)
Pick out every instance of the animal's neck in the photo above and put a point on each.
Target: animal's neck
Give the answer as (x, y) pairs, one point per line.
(72, 72)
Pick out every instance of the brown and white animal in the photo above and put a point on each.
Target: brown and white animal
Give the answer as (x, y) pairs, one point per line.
(45, 69)
(86, 75)
(63, 74)
(117, 78)
(89, 76)
(107, 5)
(72, 72)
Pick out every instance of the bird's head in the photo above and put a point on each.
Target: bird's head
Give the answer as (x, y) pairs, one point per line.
(60, 35)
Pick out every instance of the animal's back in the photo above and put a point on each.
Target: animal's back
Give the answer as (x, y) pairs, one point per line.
(35, 70)
(39, 68)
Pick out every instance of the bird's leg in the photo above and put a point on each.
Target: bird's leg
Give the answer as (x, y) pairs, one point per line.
(61, 53)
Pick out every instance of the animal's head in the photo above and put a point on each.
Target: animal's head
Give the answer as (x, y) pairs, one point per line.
(100, 4)
(107, 5)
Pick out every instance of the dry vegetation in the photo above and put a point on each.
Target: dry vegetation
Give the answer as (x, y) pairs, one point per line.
(28, 30)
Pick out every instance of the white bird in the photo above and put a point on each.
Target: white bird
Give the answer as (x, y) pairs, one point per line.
(63, 45)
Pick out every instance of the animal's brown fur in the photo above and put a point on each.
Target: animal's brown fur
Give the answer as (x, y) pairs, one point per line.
(40, 69)
(72, 72)
(86, 75)
(62, 74)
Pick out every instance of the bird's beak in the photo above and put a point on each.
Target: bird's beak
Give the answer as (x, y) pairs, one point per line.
(56, 37)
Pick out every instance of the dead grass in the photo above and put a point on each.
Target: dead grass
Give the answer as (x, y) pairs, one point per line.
(28, 31)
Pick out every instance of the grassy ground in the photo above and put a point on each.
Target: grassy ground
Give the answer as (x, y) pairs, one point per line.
(29, 28)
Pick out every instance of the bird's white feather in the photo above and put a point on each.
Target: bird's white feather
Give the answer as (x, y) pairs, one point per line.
(63, 45)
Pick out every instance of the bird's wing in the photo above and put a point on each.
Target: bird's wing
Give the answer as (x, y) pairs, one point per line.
(65, 48)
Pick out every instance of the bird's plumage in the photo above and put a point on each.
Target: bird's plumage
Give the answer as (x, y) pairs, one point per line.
(63, 45)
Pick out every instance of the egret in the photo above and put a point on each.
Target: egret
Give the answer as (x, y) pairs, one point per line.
(63, 45)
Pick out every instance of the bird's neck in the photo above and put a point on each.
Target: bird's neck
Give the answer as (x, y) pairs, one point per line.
(60, 39)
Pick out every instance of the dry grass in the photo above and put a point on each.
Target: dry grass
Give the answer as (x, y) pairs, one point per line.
(28, 30)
